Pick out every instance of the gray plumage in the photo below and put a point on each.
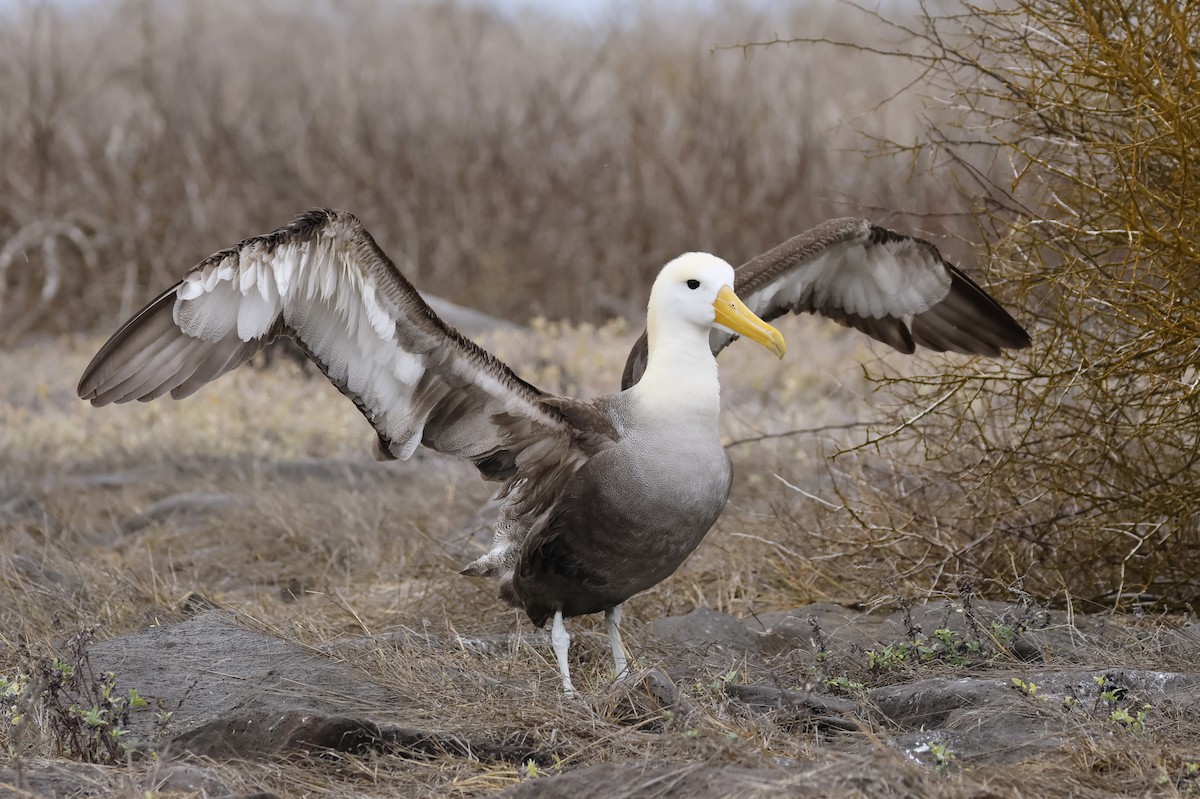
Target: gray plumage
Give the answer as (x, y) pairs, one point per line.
(602, 499)
(626, 519)
(895, 288)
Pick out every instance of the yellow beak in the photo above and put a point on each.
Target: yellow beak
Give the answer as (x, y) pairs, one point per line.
(733, 314)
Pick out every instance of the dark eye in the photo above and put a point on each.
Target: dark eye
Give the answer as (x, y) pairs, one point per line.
(693, 284)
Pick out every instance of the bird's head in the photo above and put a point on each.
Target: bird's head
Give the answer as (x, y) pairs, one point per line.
(697, 289)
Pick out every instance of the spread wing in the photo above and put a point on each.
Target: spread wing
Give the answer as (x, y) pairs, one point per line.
(895, 288)
(324, 281)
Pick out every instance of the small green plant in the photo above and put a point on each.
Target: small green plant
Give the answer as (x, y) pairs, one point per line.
(1188, 783)
(943, 758)
(1003, 633)
(1133, 721)
(1110, 694)
(1027, 688)
(724, 679)
(945, 647)
(61, 703)
(845, 685)
(952, 651)
(890, 658)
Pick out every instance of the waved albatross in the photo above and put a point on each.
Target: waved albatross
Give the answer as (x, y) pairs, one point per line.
(602, 498)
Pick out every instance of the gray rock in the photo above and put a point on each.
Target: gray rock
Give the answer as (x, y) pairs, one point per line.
(234, 692)
(1031, 633)
(930, 703)
(53, 779)
(39, 575)
(997, 737)
(704, 629)
(994, 719)
(196, 505)
(821, 626)
(658, 781)
(23, 510)
(798, 708)
(975, 719)
(187, 778)
(104, 479)
(647, 700)
(1185, 643)
(65, 778)
(835, 774)
(339, 471)
(972, 622)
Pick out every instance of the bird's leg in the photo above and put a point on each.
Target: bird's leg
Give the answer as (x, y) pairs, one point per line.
(562, 640)
(612, 619)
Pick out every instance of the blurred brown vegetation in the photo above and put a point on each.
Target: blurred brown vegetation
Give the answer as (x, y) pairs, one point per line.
(1076, 472)
(490, 155)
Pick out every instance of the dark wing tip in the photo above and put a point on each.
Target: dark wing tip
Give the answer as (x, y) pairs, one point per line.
(888, 329)
(967, 320)
(970, 321)
(150, 356)
(107, 367)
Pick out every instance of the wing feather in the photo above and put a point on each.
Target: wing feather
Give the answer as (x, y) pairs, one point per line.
(166, 359)
(895, 288)
(225, 356)
(324, 281)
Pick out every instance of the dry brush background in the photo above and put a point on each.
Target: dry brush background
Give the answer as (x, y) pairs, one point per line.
(534, 167)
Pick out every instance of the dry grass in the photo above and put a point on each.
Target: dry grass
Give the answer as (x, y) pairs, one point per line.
(317, 557)
(93, 468)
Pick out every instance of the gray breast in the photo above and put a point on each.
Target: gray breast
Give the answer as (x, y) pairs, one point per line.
(627, 520)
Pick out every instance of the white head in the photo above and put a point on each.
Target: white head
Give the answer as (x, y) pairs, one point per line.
(686, 290)
(691, 295)
(696, 290)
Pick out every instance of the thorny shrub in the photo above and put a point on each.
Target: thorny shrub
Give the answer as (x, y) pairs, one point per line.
(1071, 469)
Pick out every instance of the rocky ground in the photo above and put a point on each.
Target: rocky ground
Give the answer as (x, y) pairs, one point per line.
(968, 688)
(287, 616)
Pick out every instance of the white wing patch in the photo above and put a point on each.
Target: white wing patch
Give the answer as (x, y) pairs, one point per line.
(336, 310)
(332, 307)
(324, 281)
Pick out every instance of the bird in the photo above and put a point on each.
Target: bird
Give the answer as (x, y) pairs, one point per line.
(601, 498)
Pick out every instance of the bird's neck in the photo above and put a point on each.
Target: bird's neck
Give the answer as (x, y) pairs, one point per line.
(681, 372)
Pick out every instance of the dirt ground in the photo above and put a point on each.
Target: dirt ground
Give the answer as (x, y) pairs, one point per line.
(291, 615)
